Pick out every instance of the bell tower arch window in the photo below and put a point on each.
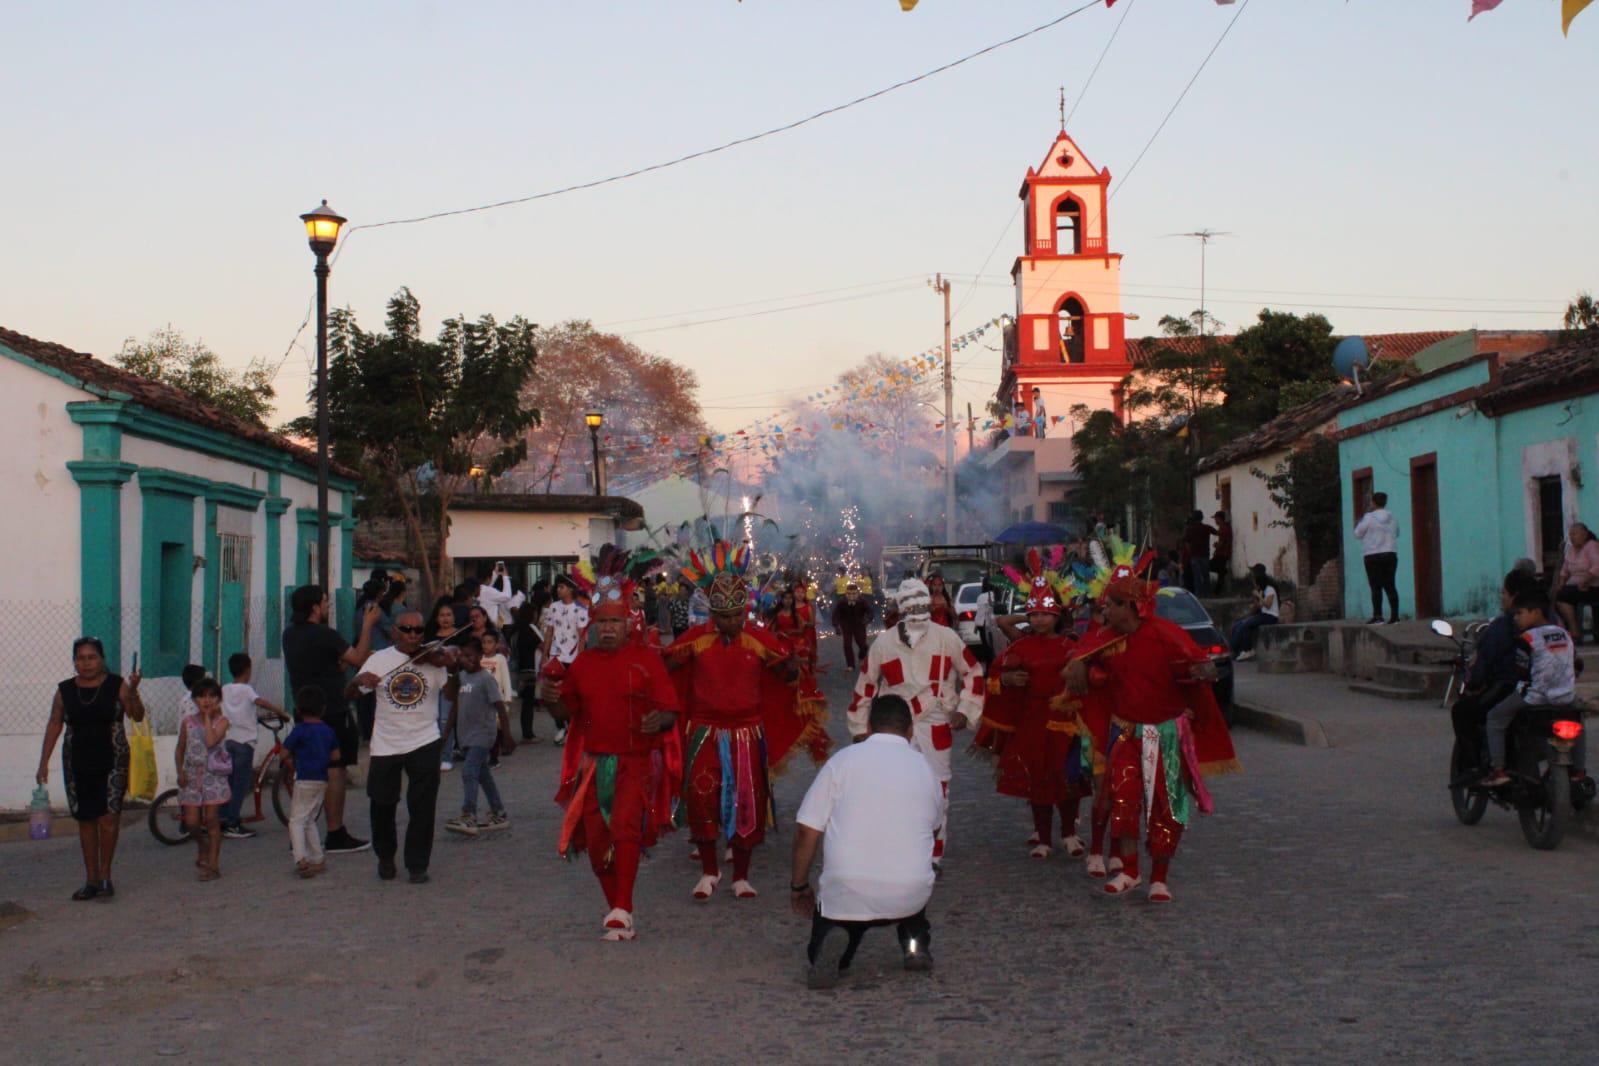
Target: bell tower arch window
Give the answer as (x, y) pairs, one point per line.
(1070, 320)
(1069, 227)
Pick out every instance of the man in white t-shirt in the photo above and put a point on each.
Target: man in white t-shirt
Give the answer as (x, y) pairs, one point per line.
(877, 806)
(565, 622)
(405, 740)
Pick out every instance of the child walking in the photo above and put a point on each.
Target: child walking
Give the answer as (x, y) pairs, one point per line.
(478, 715)
(203, 770)
(312, 747)
(494, 662)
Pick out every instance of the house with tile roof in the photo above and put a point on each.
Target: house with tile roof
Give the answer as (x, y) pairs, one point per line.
(1485, 459)
(166, 527)
(1233, 477)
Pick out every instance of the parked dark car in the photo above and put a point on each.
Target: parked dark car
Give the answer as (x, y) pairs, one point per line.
(1182, 607)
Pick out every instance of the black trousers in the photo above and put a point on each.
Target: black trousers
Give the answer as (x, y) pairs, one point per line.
(1470, 716)
(530, 704)
(421, 769)
(1380, 570)
(854, 639)
(915, 927)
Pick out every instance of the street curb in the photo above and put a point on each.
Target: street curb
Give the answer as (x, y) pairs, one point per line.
(65, 825)
(1306, 732)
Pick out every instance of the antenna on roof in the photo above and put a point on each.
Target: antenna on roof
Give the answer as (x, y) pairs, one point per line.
(1204, 237)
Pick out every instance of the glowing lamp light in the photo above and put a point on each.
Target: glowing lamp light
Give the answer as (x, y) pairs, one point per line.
(593, 420)
(322, 228)
(906, 5)
(1568, 730)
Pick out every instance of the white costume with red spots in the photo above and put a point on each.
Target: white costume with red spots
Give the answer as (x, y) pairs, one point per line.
(930, 668)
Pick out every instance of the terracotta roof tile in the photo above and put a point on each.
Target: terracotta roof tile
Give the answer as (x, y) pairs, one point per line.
(157, 396)
(1570, 370)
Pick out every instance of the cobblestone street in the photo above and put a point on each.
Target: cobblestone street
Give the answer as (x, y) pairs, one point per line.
(1332, 909)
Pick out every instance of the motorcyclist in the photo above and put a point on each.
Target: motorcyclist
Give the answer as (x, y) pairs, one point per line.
(1493, 672)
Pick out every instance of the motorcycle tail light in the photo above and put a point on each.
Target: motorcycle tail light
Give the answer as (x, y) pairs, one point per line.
(1568, 730)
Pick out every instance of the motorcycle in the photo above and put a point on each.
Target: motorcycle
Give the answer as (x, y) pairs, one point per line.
(1542, 790)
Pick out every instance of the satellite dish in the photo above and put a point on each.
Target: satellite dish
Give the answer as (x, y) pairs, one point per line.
(1350, 358)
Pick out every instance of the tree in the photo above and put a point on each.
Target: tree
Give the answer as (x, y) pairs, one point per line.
(1582, 313)
(1281, 347)
(1181, 382)
(642, 396)
(1306, 487)
(415, 417)
(169, 357)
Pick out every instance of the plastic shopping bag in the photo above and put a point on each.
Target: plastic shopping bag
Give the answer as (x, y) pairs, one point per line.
(142, 782)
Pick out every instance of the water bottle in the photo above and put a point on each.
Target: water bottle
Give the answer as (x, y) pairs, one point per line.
(39, 814)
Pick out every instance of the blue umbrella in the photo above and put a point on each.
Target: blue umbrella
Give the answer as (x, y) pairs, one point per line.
(1029, 533)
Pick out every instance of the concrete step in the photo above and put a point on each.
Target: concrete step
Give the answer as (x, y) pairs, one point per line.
(1431, 681)
(1388, 692)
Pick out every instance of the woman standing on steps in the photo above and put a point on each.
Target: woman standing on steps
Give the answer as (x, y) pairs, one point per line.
(90, 707)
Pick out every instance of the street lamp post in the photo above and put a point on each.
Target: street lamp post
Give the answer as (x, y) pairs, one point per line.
(594, 420)
(322, 230)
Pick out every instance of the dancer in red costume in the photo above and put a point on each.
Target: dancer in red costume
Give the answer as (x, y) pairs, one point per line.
(622, 764)
(1166, 732)
(1029, 725)
(739, 686)
(943, 611)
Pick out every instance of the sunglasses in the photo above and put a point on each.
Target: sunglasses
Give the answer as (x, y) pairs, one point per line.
(409, 629)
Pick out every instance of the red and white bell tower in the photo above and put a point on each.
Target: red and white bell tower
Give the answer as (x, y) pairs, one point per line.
(1070, 332)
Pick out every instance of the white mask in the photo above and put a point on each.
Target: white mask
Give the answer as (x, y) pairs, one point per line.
(915, 607)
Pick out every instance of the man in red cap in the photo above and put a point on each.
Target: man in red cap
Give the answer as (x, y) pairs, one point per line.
(738, 686)
(622, 763)
(1166, 732)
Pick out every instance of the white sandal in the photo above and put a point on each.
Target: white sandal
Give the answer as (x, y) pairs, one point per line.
(1074, 846)
(1121, 885)
(618, 925)
(1159, 893)
(705, 888)
(1095, 865)
(1041, 851)
(744, 890)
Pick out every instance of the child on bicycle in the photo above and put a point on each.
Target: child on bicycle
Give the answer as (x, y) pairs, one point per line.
(203, 771)
(311, 748)
(1546, 658)
(478, 716)
(239, 703)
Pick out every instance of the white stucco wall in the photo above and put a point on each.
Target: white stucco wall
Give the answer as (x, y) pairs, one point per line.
(41, 521)
(1255, 538)
(493, 534)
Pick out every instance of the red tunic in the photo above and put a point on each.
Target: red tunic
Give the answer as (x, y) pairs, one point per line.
(1032, 765)
(608, 693)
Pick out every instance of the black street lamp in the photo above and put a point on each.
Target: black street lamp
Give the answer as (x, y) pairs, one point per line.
(594, 420)
(322, 229)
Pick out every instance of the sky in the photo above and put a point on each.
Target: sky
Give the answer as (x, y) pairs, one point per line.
(1382, 162)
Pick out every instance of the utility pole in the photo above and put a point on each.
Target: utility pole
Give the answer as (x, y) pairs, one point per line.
(942, 287)
(971, 431)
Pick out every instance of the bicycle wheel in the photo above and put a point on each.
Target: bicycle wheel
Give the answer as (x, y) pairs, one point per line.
(282, 791)
(166, 819)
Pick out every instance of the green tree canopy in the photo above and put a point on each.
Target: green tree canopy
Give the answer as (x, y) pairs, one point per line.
(169, 357)
(420, 420)
(1280, 348)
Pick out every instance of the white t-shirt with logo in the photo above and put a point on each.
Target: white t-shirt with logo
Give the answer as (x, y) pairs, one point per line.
(408, 702)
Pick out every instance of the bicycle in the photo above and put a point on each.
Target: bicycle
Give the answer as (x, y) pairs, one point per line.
(166, 816)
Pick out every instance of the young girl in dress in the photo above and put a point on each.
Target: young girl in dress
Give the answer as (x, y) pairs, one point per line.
(203, 769)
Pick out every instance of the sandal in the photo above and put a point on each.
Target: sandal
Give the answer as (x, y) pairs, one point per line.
(1095, 865)
(706, 887)
(1040, 851)
(1121, 885)
(210, 873)
(744, 890)
(618, 925)
(1074, 846)
(1159, 893)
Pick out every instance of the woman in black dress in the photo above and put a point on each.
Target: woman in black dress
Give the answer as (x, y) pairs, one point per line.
(94, 760)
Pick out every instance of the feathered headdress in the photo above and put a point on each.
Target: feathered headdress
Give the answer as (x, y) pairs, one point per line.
(1048, 591)
(1124, 572)
(720, 572)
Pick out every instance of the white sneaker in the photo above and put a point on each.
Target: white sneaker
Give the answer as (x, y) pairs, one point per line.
(446, 767)
(618, 925)
(560, 736)
(1243, 656)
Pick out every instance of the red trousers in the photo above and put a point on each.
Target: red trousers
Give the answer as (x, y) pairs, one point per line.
(1124, 791)
(702, 790)
(614, 849)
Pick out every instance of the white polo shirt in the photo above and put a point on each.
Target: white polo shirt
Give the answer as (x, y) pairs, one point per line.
(876, 804)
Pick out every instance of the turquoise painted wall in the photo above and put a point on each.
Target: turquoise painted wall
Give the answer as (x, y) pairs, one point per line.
(1482, 504)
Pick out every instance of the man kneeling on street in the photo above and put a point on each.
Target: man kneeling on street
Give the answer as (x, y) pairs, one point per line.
(877, 805)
